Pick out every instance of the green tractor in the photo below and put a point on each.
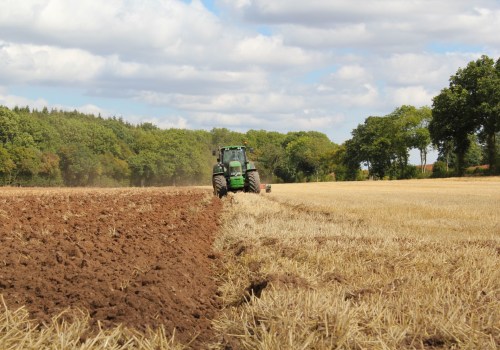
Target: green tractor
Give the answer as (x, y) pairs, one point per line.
(234, 172)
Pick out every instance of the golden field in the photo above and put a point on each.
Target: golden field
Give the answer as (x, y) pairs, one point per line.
(363, 265)
(347, 265)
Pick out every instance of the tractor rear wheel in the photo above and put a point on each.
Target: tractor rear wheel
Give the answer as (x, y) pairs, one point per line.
(220, 185)
(253, 182)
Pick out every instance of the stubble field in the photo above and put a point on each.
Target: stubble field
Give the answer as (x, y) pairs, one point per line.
(369, 265)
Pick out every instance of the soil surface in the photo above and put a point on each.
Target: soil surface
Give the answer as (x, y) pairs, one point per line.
(139, 257)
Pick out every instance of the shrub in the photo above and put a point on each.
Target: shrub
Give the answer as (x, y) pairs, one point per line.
(439, 169)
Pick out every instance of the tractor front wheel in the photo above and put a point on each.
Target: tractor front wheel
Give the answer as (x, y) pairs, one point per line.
(220, 185)
(253, 182)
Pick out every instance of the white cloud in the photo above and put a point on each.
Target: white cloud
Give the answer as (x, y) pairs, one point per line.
(159, 28)
(87, 108)
(275, 64)
(378, 25)
(35, 63)
(368, 96)
(317, 123)
(351, 72)
(230, 102)
(12, 101)
(264, 50)
(318, 12)
(283, 122)
(239, 121)
(167, 122)
(411, 95)
(422, 68)
(348, 35)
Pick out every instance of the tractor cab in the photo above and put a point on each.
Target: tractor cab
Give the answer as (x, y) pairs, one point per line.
(233, 154)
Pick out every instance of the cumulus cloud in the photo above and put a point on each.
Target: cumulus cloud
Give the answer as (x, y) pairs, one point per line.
(42, 63)
(264, 50)
(347, 35)
(171, 29)
(165, 122)
(411, 95)
(242, 122)
(421, 68)
(381, 25)
(273, 64)
(12, 101)
(317, 12)
(318, 122)
(227, 103)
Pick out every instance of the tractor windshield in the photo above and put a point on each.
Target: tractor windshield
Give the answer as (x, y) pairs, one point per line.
(233, 155)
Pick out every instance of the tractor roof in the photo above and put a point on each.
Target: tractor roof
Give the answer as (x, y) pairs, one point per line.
(232, 147)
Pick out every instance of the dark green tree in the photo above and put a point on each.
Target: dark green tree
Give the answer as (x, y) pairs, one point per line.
(471, 104)
(79, 165)
(7, 166)
(488, 109)
(452, 123)
(371, 144)
(9, 125)
(309, 154)
(225, 137)
(382, 144)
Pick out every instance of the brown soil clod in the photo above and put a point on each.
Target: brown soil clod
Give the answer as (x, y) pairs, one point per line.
(139, 258)
(255, 289)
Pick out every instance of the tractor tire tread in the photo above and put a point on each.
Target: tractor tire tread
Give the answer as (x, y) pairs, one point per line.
(253, 182)
(220, 186)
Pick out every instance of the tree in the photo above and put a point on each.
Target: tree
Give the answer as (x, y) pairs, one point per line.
(351, 158)
(271, 158)
(27, 160)
(268, 153)
(114, 168)
(7, 165)
(471, 104)
(308, 154)
(372, 145)
(183, 159)
(473, 157)
(49, 167)
(452, 122)
(418, 135)
(488, 109)
(79, 165)
(144, 168)
(383, 143)
(225, 137)
(9, 125)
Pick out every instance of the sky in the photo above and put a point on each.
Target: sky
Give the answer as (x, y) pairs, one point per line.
(280, 65)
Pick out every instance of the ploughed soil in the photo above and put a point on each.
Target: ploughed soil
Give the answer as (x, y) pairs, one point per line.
(139, 257)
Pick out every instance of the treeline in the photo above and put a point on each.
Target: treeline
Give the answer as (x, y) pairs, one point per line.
(61, 148)
(73, 149)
